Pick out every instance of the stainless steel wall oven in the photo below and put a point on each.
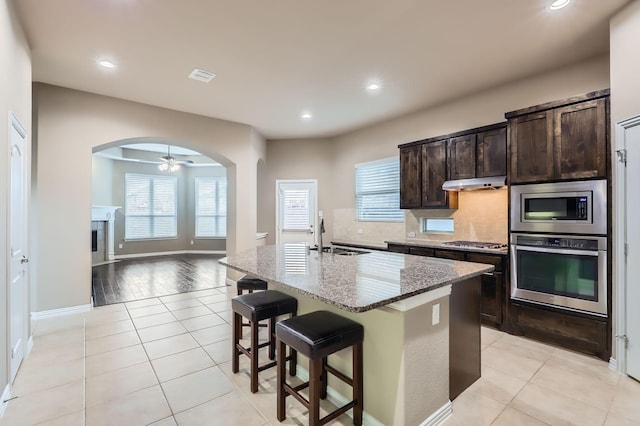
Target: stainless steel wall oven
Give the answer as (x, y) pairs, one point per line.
(565, 271)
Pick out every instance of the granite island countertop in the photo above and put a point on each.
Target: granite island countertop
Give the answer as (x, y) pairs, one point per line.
(353, 283)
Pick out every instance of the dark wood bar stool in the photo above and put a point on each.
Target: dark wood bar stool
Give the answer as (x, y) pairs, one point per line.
(262, 305)
(317, 335)
(249, 284)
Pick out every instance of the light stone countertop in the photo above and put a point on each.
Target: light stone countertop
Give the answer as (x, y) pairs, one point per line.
(353, 283)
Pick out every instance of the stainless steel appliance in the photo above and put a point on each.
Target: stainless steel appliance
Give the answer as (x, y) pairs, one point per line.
(565, 271)
(577, 207)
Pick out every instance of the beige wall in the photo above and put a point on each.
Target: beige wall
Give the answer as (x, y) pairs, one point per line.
(625, 63)
(71, 124)
(102, 181)
(15, 97)
(332, 162)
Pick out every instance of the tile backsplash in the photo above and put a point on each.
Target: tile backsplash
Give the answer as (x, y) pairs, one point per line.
(481, 216)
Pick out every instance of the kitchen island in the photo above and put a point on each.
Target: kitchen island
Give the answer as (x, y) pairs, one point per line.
(403, 303)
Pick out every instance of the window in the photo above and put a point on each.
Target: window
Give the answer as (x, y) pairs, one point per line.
(378, 191)
(150, 206)
(436, 225)
(211, 207)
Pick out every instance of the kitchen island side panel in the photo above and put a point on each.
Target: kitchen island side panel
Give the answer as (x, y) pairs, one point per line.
(406, 360)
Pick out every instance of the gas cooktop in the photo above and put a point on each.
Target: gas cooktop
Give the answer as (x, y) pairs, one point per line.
(476, 244)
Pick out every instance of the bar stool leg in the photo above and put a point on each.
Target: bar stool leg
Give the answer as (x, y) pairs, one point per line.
(293, 362)
(315, 389)
(272, 338)
(324, 378)
(254, 356)
(281, 394)
(237, 324)
(358, 384)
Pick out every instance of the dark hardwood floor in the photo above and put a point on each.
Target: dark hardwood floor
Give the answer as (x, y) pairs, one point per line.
(142, 278)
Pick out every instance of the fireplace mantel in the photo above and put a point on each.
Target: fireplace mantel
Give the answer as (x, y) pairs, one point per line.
(106, 213)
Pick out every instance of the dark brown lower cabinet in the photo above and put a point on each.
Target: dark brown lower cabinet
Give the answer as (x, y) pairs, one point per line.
(492, 300)
(580, 332)
(493, 286)
(464, 335)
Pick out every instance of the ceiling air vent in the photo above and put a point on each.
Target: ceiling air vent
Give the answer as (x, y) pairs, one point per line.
(201, 75)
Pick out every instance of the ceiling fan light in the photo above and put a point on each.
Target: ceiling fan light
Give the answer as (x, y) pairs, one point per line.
(163, 167)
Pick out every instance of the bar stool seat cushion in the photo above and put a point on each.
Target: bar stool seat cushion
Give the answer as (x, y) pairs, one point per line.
(319, 333)
(263, 305)
(250, 283)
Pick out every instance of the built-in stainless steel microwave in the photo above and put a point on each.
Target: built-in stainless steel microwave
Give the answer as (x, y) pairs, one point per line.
(578, 207)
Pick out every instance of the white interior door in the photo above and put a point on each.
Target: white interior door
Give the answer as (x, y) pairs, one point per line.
(296, 211)
(632, 239)
(17, 242)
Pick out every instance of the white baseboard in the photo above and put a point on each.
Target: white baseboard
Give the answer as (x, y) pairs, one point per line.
(439, 416)
(168, 253)
(61, 312)
(613, 364)
(229, 281)
(5, 398)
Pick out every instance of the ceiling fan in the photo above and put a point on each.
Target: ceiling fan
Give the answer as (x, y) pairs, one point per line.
(169, 162)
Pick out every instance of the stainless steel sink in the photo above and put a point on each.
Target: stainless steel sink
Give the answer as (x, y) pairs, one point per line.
(340, 251)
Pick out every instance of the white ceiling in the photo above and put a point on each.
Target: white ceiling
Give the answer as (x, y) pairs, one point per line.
(276, 59)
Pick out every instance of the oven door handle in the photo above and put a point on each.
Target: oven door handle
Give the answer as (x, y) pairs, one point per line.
(559, 251)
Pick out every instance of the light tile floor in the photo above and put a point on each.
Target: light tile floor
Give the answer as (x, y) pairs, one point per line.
(166, 361)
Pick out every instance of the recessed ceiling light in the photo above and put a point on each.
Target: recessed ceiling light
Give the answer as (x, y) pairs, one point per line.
(559, 4)
(106, 64)
(306, 116)
(373, 87)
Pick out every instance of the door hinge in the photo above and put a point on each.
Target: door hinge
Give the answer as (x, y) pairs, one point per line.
(626, 249)
(625, 338)
(622, 156)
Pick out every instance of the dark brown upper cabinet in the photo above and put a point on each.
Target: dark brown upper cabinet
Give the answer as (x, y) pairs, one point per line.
(462, 157)
(411, 177)
(479, 154)
(434, 174)
(560, 140)
(425, 165)
(491, 153)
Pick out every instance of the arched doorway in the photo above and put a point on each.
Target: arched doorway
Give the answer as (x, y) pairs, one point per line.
(158, 209)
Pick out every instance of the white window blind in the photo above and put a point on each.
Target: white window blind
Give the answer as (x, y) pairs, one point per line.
(378, 191)
(211, 206)
(295, 213)
(150, 206)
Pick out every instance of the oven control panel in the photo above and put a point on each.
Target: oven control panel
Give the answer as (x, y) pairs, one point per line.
(555, 242)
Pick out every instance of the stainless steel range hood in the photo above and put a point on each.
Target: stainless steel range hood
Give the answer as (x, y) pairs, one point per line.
(494, 182)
